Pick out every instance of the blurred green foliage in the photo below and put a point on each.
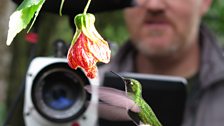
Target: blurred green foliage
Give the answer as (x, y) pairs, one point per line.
(52, 27)
(215, 19)
(2, 113)
(111, 26)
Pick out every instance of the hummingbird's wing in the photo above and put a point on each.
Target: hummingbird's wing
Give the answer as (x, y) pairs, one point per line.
(115, 97)
(112, 113)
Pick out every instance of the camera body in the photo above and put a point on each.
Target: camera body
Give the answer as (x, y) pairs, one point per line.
(55, 95)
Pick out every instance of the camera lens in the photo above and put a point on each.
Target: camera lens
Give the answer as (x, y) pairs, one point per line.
(58, 93)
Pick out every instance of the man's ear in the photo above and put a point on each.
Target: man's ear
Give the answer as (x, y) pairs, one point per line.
(205, 6)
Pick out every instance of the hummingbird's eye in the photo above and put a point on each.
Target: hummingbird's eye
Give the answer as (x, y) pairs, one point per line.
(128, 81)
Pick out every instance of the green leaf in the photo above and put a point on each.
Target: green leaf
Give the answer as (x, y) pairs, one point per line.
(22, 17)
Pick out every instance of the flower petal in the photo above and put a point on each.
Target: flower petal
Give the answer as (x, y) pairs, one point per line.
(80, 56)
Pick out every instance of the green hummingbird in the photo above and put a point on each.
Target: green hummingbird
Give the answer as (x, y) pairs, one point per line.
(131, 101)
(145, 114)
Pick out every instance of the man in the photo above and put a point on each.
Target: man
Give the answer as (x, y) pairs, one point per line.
(168, 38)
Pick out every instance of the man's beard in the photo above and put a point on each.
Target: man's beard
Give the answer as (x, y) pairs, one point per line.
(150, 52)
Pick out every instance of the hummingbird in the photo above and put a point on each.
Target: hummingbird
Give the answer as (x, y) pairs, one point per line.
(135, 106)
(145, 115)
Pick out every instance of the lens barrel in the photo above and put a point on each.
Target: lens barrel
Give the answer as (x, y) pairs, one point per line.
(58, 93)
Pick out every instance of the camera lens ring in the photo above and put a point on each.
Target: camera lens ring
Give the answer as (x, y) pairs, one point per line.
(75, 80)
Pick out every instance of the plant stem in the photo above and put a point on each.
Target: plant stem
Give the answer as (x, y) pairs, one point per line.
(61, 6)
(86, 7)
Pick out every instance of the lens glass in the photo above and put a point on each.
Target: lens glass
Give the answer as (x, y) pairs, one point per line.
(60, 91)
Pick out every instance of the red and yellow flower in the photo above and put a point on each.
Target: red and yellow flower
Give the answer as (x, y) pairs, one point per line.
(87, 47)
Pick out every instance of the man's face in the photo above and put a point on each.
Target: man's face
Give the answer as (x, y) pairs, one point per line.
(163, 27)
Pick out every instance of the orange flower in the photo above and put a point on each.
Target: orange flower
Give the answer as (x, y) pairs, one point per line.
(87, 47)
